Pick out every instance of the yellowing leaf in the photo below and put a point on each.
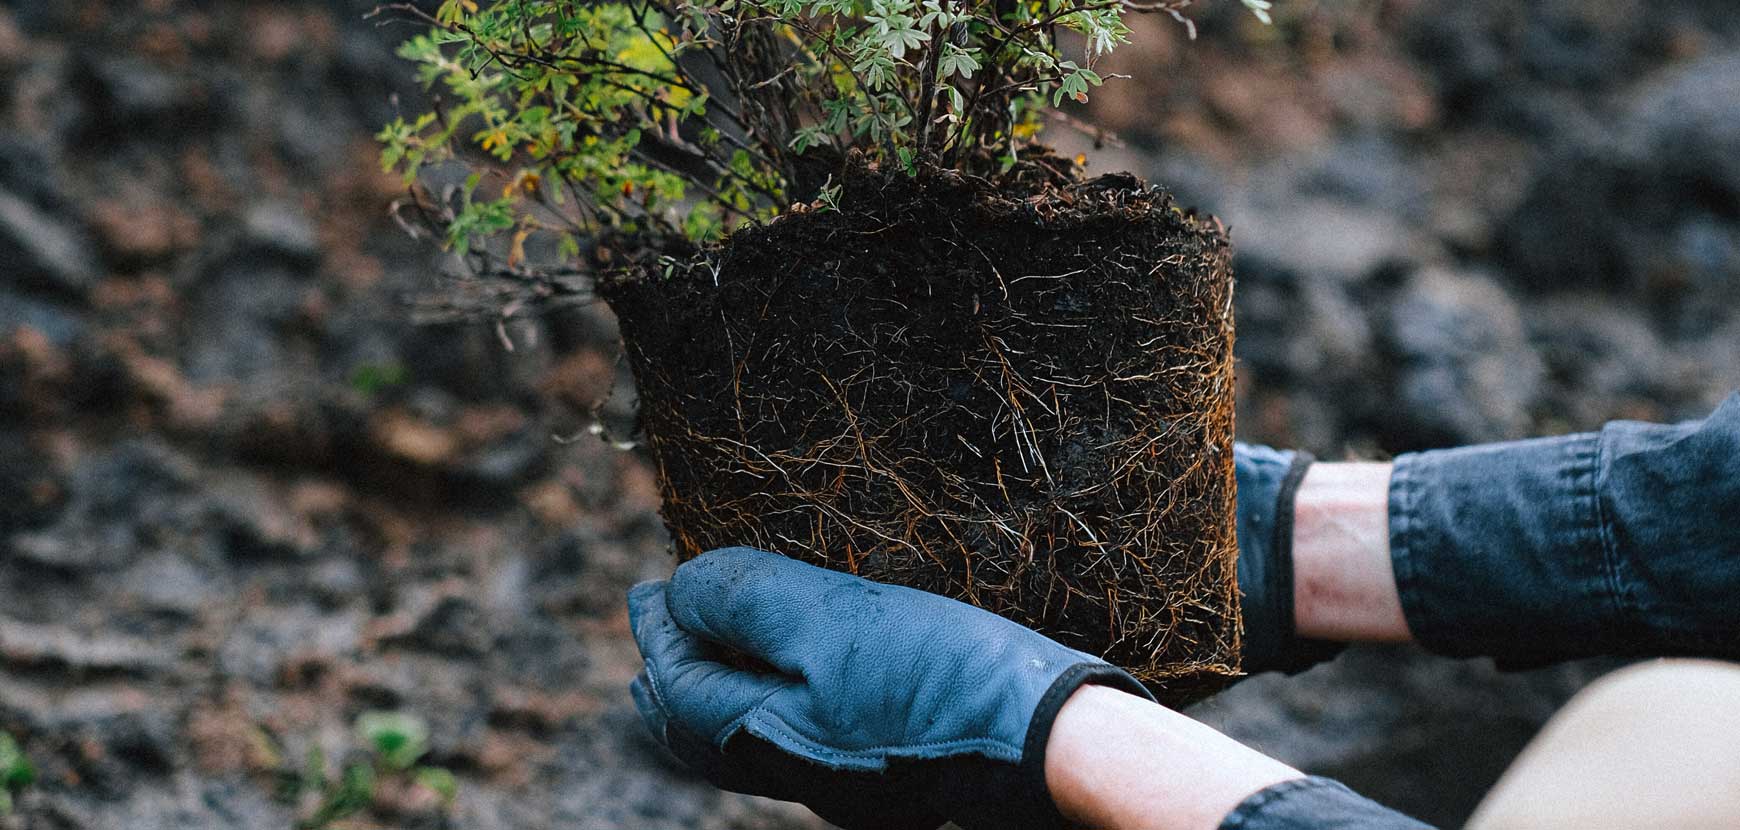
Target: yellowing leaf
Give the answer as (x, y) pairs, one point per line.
(517, 249)
(526, 182)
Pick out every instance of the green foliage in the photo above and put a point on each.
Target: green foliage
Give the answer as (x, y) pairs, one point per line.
(352, 793)
(687, 117)
(16, 771)
(438, 779)
(374, 378)
(396, 741)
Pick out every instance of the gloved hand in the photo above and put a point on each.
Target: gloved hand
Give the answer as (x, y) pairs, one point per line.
(879, 706)
(1268, 479)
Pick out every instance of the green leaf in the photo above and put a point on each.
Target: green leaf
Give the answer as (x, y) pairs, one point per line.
(568, 247)
(957, 61)
(704, 223)
(829, 195)
(354, 792)
(902, 39)
(807, 137)
(373, 378)
(16, 771)
(595, 99)
(397, 739)
(440, 780)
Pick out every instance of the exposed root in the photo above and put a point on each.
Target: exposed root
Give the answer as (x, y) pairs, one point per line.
(1024, 403)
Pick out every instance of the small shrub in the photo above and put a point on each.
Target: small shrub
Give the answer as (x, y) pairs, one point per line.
(682, 119)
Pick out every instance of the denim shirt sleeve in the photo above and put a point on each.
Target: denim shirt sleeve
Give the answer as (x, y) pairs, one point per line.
(1314, 804)
(1623, 541)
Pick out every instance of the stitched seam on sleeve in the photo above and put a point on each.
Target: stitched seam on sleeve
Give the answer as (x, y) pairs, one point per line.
(1623, 607)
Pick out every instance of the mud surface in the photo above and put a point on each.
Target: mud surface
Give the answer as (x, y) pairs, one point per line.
(242, 499)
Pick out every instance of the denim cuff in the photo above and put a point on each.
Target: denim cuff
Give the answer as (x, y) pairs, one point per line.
(1314, 804)
(1497, 548)
(1611, 543)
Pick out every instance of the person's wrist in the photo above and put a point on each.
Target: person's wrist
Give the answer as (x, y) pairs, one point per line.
(1118, 762)
(1071, 757)
(1034, 786)
(1344, 586)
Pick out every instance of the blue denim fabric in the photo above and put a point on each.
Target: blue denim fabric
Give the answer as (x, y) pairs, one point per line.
(1317, 804)
(1623, 541)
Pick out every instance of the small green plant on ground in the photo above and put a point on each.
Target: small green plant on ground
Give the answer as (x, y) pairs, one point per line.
(16, 771)
(395, 743)
(374, 378)
(684, 118)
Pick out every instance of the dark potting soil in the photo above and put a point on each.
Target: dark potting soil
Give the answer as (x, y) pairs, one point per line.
(1017, 395)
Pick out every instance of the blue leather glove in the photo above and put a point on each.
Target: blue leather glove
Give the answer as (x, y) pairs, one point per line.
(1268, 479)
(875, 705)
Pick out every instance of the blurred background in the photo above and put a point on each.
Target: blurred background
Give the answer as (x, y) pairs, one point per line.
(244, 500)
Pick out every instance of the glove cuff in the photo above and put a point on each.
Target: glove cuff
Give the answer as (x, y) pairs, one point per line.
(1271, 643)
(1301, 653)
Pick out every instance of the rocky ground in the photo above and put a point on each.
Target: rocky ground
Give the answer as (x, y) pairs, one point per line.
(243, 499)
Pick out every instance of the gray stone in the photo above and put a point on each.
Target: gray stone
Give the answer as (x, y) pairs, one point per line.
(243, 310)
(453, 626)
(259, 647)
(167, 582)
(1321, 237)
(1686, 122)
(495, 470)
(25, 646)
(337, 579)
(120, 501)
(280, 228)
(84, 552)
(1604, 361)
(254, 524)
(1648, 209)
(40, 250)
(58, 323)
(1465, 370)
(129, 89)
(32, 491)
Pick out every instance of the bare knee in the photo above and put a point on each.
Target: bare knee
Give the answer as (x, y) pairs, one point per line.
(1656, 744)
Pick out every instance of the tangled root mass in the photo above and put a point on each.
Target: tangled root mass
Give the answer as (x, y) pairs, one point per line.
(1021, 400)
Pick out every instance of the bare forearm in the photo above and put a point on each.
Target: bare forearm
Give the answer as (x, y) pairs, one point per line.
(1344, 587)
(1118, 762)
